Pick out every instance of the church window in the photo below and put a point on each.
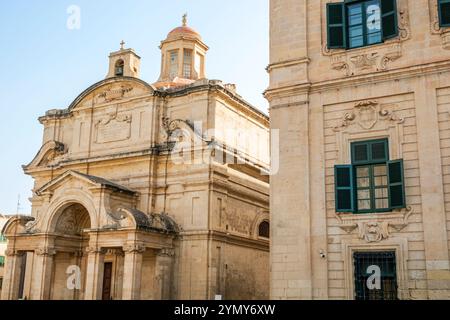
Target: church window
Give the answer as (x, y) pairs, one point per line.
(119, 68)
(444, 13)
(187, 64)
(359, 23)
(173, 64)
(264, 229)
(372, 183)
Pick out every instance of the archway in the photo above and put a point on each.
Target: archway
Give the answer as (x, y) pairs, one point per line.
(70, 227)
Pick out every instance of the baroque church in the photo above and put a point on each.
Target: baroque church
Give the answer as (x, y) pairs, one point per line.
(147, 191)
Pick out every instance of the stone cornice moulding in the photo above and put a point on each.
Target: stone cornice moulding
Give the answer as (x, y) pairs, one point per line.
(379, 77)
(287, 63)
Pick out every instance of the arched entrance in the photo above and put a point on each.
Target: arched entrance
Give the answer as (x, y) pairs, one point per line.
(70, 226)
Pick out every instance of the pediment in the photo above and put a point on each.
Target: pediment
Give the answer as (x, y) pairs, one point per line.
(79, 179)
(112, 90)
(49, 153)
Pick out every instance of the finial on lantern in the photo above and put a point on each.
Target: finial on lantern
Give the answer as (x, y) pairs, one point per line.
(184, 20)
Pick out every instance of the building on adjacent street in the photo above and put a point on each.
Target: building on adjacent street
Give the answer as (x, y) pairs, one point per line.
(360, 91)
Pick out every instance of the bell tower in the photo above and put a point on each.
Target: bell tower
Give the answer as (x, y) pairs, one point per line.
(124, 63)
(182, 57)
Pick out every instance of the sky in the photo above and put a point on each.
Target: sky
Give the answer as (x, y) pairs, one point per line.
(46, 65)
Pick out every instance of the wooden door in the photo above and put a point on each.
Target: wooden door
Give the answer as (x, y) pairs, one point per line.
(107, 281)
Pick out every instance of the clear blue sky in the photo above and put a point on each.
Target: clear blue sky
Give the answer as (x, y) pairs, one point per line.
(44, 65)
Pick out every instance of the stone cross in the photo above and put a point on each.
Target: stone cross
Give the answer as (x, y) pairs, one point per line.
(122, 44)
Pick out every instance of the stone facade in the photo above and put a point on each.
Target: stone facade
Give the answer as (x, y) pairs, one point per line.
(147, 191)
(322, 100)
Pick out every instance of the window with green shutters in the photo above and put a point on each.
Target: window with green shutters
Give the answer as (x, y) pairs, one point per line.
(359, 23)
(2, 238)
(444, 13)
(2, 261)
(372, 183)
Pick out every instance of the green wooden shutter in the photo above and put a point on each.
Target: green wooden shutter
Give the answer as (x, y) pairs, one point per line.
(444, 13)
(389, 19)
(397, 198)
(336, 35)
(344, 188)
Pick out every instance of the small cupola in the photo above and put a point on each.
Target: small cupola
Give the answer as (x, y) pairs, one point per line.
(183, 57)
(124, 63)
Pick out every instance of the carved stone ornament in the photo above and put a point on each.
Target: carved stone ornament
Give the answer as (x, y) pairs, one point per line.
(110, 95)
(371, 58)
(435, 26)
(134, 248)
(366, 114)
(375, 228)
(166, 252)
(366, 60)
(113, 127)
(96, 250)
(45, 251)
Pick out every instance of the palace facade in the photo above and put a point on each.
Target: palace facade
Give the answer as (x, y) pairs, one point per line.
(147, 191)
(360, 93)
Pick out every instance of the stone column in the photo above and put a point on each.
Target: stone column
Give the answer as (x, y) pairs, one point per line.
(163, 273)
(94, 273)
(132, 271)
(42, 273)
(11, 278)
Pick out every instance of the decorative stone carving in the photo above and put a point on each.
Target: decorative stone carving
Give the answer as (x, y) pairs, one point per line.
(132, 218)
(96, 250)
(366, 60)
(404, 27)
(366, 114)
(50, 154)
(434, 24)
(372, 58)
(434, 17)
(110, 94)
(375, 228)
(73, 220)
(166, 252)
(373, 231)
(45, 251)
(134, 248)
(114, 127)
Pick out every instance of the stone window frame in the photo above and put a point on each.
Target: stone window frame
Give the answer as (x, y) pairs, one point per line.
(376, 57)
(435, 27)
(398, 245)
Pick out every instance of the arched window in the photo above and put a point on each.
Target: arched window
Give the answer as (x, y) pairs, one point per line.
(119, 68)
(264, 229)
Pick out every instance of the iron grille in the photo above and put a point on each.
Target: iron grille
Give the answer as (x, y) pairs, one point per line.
(364, 266)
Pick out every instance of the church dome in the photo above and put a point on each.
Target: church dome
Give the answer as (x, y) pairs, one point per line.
(184, 31)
